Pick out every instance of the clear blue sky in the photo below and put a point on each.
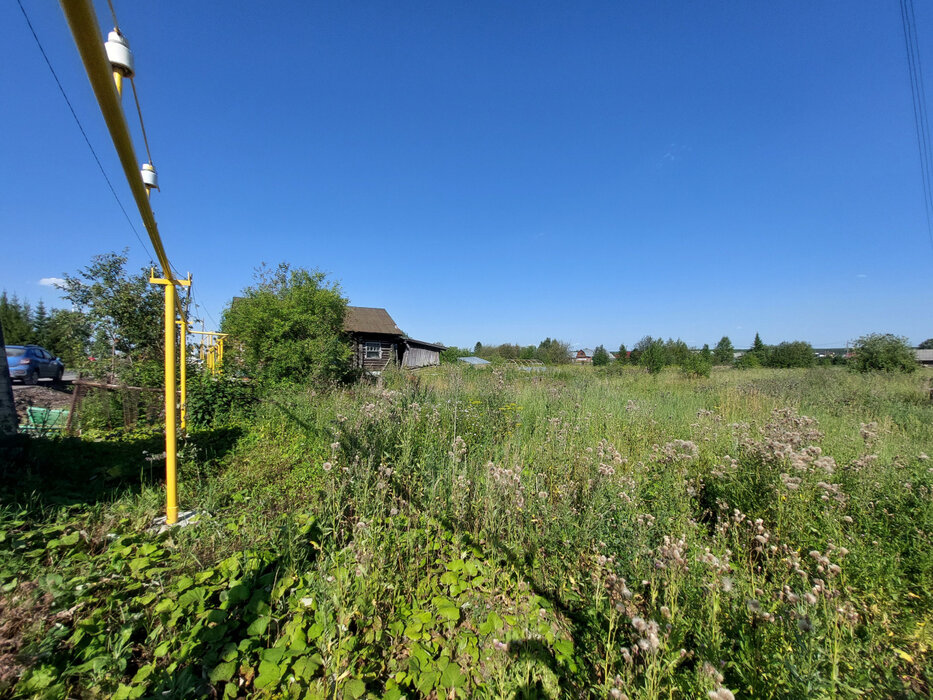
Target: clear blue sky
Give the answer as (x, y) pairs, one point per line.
(499, 171)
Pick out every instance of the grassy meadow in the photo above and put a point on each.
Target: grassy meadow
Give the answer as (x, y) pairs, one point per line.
(574, 533)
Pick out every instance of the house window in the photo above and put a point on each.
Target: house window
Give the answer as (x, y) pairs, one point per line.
(373, 351)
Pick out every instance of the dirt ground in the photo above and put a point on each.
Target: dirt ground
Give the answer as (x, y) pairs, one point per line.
(42, 396)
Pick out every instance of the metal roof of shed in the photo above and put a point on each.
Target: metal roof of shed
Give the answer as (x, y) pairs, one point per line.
(474, 360)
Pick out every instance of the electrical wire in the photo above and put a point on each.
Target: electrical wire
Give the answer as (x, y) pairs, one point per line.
(918, 95)
(113, 14)
(142, 127)
(81, 129)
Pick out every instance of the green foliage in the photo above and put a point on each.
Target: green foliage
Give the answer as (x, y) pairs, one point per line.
(926, 344)
(622, 355)
(724, 352)
(123, 313)
(758, 346)
(289, 327)
(217, 400)
(601, 357)
(698, 364)
(452, 354)
(748, 360)
(653, 355)
(549, 351)
(553, 352)
(794, 354)
(489, 535)
(63, 333)
(883, 352)
(15, 317)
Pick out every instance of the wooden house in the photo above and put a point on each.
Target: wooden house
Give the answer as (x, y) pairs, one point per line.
(377, 341)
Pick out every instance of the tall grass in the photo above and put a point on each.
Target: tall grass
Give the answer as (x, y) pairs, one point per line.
(570, 534)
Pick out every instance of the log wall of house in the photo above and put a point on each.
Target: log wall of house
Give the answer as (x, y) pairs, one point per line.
(374, 364)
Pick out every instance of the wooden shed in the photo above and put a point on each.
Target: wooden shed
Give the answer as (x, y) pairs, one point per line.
(377, 341)
(418, 353)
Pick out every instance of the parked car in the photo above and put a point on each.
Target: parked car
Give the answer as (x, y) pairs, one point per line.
(32, 363)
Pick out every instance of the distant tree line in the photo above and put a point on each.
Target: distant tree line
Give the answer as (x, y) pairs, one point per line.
(550, 351)
(63, 333)
(884, 352)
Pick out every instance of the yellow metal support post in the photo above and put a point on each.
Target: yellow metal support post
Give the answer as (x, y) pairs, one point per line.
(171, 438)
(183, 371)
(171, 467)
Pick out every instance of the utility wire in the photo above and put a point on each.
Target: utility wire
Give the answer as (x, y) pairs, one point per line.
(113, 14)
(142, 126)
(918, 95)
(81, 128)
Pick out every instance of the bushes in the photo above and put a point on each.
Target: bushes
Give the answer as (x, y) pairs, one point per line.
(289, 327)
(883, 352)
(793, 354)
(216, 400)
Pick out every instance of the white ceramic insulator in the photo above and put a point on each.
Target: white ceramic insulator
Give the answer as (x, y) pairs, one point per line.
(150, 179)
(119, 54)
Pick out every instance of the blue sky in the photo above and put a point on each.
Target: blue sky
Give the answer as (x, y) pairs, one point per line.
(503, 172)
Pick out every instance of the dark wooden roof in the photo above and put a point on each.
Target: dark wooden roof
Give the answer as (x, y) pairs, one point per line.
(362, 319)
(424, 344)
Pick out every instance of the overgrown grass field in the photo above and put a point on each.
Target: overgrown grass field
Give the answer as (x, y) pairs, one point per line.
(460, 533)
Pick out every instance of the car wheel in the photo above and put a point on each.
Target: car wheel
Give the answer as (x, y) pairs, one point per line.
(32, 378)
(58, 375)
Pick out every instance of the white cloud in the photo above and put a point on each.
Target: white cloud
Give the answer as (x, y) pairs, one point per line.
(51, 281)
(861, 275)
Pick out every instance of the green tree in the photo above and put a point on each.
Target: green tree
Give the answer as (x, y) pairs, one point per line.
(724, 352)
(601, 357)
(289, 327)
(758, 346)
(652, 354)
(699, 364)
(622, 357)
(16, 320)
(677, 352)
(478, 348)
(125, 315)
(926, 344)
(795, 354)
(67, 335)
(553, 352)
(883, 352)
(748, 360)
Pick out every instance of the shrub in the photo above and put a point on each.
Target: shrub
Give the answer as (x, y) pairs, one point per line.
(883, 352)
(600, 357)
(724, 353)
(654, 356)
(216, 400)
(289, 327)
(698, 364)
(749, 360)
(794, 354)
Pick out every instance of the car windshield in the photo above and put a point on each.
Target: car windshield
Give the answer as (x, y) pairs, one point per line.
(15, 352)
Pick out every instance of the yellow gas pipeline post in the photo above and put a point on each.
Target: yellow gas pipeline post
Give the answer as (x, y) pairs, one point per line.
(106, 66)
(171, 463)
(183, 369)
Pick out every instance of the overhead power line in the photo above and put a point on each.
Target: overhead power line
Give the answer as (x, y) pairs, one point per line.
(103, 172)
(921, 122)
